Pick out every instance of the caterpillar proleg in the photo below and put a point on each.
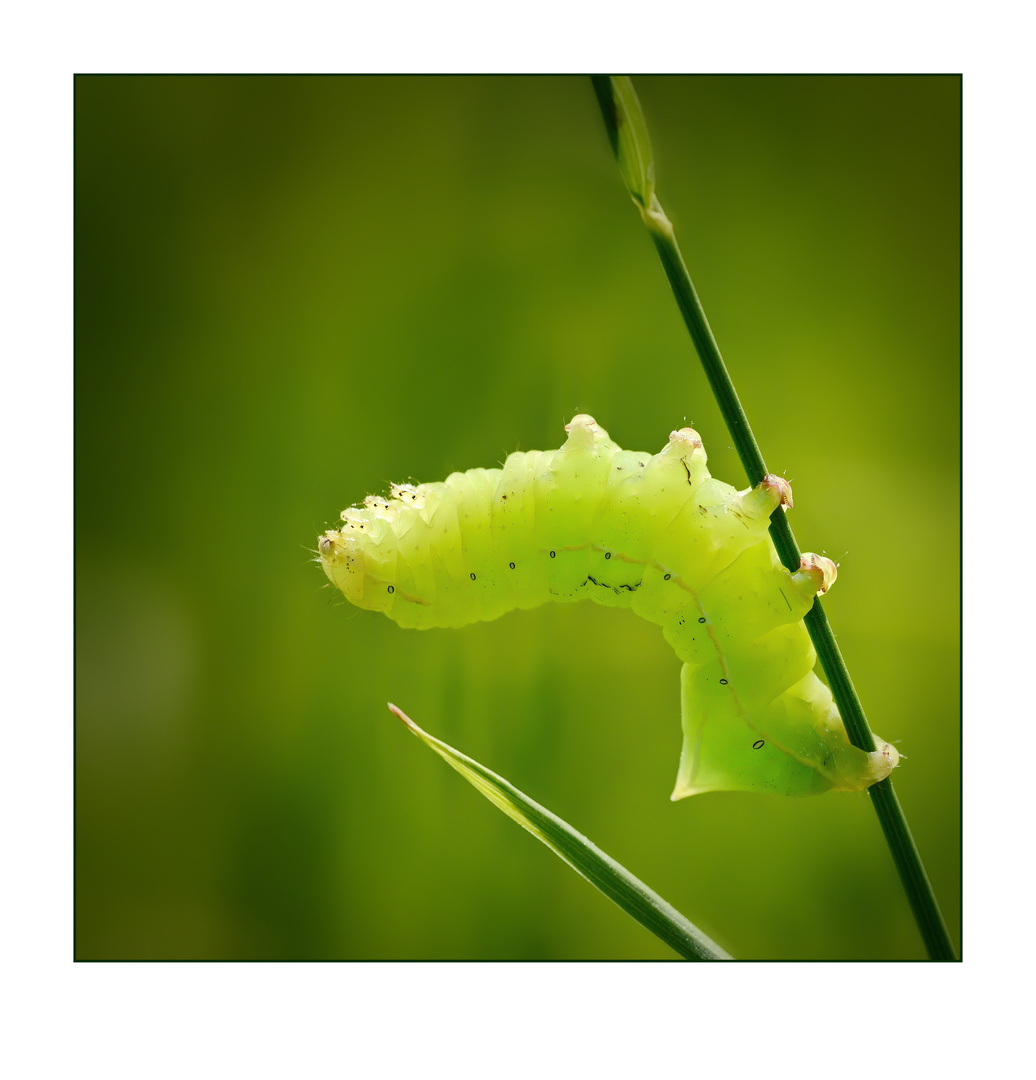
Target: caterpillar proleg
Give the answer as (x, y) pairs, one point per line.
(654, 533)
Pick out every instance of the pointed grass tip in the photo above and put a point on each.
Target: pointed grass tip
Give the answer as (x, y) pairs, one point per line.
(400, 715)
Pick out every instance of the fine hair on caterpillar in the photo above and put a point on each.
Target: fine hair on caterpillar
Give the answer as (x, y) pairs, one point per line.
(653, 533)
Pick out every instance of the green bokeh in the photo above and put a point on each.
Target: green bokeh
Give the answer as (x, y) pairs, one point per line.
(290, 291)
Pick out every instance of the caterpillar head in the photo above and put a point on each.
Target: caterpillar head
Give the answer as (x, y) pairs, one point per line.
(344, 555)
(331, 552)
(326, 545)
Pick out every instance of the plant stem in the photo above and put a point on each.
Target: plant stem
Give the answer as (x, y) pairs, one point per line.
(627, 131)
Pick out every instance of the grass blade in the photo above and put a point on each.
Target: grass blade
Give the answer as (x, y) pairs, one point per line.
(628, 133)
(615, 881)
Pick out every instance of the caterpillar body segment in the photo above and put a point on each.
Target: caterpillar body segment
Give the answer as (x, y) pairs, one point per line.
(654, 533)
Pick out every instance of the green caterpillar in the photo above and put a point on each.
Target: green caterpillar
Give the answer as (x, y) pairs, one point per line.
(654, 533)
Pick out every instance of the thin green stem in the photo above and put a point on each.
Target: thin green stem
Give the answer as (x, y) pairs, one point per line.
(627, 131)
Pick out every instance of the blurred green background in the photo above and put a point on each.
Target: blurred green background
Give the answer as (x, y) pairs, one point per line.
(293, 290)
